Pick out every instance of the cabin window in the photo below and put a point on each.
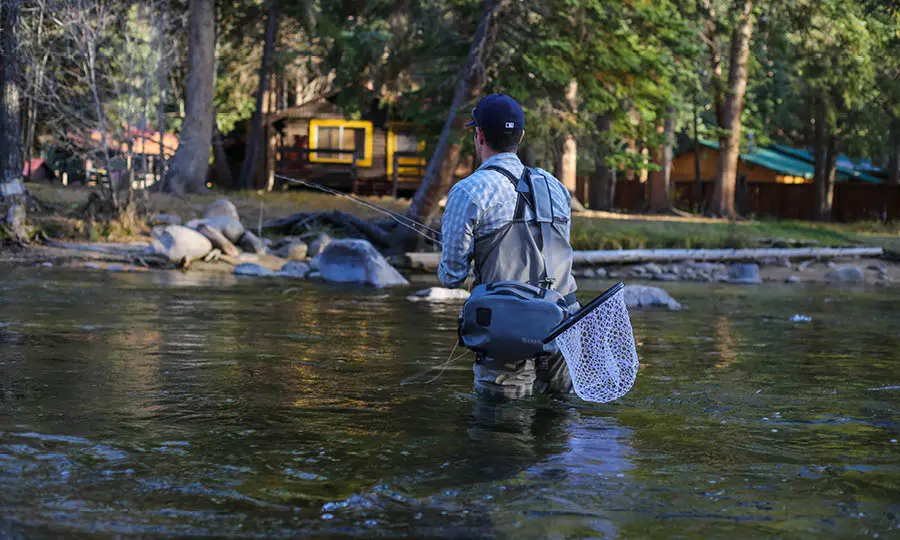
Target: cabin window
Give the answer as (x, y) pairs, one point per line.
(403, 138)
(338, 139)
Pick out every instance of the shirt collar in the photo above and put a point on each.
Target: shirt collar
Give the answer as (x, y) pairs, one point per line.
(503, 158)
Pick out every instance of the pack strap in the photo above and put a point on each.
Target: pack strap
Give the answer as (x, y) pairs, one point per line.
(537, 195)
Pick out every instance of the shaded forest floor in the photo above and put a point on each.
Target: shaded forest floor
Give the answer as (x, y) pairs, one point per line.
(590, 231)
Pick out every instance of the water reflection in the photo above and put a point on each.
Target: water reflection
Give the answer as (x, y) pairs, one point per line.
(157, 404)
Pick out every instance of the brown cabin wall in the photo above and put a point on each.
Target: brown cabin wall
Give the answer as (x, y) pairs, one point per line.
(683, 170)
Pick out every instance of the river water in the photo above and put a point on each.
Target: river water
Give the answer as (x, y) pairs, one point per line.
(178, 404)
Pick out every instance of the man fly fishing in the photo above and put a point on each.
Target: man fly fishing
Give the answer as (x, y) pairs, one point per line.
(513, 222)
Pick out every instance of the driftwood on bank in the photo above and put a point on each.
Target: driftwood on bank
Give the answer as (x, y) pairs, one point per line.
(302, 221)
(124, 253)
(635, 256)
(218, 240)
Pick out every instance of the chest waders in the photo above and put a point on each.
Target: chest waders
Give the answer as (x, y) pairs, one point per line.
(524, 285)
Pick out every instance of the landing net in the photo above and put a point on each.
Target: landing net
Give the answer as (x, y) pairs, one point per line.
(600, 352)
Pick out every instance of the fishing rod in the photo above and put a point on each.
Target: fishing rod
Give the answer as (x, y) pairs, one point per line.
(405, 221)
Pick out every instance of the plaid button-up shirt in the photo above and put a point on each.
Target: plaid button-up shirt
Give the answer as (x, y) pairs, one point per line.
(481, 204)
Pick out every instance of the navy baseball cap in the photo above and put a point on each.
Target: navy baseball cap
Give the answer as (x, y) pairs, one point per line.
(497, 114)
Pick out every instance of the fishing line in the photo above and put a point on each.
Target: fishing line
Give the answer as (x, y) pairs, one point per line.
(410, 224)
(442, 367)
(405, 221)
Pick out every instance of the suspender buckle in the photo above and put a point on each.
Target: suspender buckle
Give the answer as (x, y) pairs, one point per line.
(547, 282)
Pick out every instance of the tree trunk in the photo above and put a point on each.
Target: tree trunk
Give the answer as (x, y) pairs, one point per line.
(443, 162)
(220, 160)
(660, 180)
(894, 161)
(730, 123)
(10, 103)
(254, 142)
(630, 148)
(602, 190)
(568, 163)
(162, 77)
(710, 30)
(825, 160)
(191, 161)
(35, 89)
(11, 186)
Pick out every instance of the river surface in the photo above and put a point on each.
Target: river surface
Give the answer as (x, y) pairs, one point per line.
(169, 404)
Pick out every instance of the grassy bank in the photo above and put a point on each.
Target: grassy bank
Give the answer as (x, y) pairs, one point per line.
(634, 232)
(595, 230)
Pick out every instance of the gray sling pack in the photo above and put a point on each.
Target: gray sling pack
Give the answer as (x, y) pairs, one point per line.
(508, 320)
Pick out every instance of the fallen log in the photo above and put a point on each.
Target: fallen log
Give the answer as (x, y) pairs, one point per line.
(251, 244)
(218, 240)
(285, 224)
(356, 227)
(124, 253)
(583, 258)
(430, 261)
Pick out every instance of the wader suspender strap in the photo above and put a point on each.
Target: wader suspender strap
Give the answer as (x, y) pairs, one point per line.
(523, 195)
(541, 205)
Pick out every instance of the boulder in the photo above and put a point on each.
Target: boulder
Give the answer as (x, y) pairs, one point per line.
(640, 296)
(653, 268)
(600, 273)
(708, 267)
(356, 261)
(792, 279)
(164, 219)
(231, 228)
(747, 273)
(316, 246)
(638, 271)
(295, 251)
(177, 243)
(665, 277)
(251, 244)
(250, 269)
(295, 269)
(847, 274)
(222, 208)
(589, 273)
(439, 294)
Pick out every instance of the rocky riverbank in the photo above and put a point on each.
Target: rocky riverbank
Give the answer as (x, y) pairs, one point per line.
(852, 270)
(219, 242)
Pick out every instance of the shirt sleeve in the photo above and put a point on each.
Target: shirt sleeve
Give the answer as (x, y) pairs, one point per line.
(457, 237)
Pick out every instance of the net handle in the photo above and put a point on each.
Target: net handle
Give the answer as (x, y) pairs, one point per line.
(583, 312)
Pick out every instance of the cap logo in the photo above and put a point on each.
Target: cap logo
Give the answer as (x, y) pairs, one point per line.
(510, 125)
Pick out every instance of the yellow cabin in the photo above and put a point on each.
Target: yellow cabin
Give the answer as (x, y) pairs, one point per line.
(316, 142)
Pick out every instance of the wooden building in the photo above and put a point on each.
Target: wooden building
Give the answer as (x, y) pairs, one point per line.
(316, 142)
(37, 170)
(777, 164)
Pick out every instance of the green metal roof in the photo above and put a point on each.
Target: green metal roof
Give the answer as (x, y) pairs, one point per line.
(849, 173)
(772, 160)
(792, 162)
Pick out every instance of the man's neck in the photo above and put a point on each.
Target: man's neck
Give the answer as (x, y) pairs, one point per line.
(488, 154)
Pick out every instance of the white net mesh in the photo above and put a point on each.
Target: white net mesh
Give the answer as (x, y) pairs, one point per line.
(599, 350)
